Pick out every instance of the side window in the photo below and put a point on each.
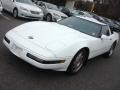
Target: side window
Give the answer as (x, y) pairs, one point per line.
(105, 31)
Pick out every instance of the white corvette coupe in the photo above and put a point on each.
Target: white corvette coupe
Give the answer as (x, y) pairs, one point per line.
(62, 46)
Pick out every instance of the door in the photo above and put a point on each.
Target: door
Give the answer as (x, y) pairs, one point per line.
(106, 38)
(4, 2)
(10, 5)
(101, 45)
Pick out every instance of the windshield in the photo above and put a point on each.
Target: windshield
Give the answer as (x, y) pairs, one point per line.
(51, 6)
(82, 25)
(25, 1)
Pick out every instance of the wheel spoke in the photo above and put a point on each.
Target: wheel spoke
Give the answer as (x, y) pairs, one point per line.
(78, 62)
(15, 13)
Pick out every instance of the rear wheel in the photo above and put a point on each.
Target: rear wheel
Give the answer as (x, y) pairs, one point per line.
(78, 62)
(110, 52)
(15, 13)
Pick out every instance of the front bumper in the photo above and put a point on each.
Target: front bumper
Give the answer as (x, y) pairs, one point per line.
(26, 14)
(22, 52)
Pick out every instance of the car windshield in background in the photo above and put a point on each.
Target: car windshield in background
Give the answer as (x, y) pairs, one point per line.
(25, 1)
(82, 25)
(51, 6)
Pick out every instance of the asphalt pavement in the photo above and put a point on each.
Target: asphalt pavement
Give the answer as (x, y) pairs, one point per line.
(99, 74)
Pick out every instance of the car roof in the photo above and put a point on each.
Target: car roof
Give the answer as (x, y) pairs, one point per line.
(91, 19)
(47, 3)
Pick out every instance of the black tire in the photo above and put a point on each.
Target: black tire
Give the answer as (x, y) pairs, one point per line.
(15, 13)
(110, 52)
(78, 61)
(48, 17)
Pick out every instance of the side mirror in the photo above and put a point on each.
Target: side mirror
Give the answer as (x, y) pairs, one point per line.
(103, 37)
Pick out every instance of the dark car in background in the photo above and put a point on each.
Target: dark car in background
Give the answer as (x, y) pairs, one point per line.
(112, 25)
(81, 13)
(65, 10)
(105, 20)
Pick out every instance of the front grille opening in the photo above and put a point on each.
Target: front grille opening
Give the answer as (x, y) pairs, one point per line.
(43, 61)
(34, 12)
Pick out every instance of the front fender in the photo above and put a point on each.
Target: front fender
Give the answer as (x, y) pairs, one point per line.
(70, 52)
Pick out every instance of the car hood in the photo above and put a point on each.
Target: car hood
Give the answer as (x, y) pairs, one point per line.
(57, 12)
(50, 36)
(29, 6)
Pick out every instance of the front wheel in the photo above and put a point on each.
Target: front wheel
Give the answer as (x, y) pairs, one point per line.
(15, 13)
(78, 62)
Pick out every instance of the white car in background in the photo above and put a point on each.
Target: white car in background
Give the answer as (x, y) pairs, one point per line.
(62, 46)
(23, 8)
(51, 11)
(1, 8)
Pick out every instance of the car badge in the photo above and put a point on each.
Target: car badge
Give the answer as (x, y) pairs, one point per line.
(30, 37)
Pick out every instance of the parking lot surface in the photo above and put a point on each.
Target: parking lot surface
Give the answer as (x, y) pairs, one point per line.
(15, 74)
